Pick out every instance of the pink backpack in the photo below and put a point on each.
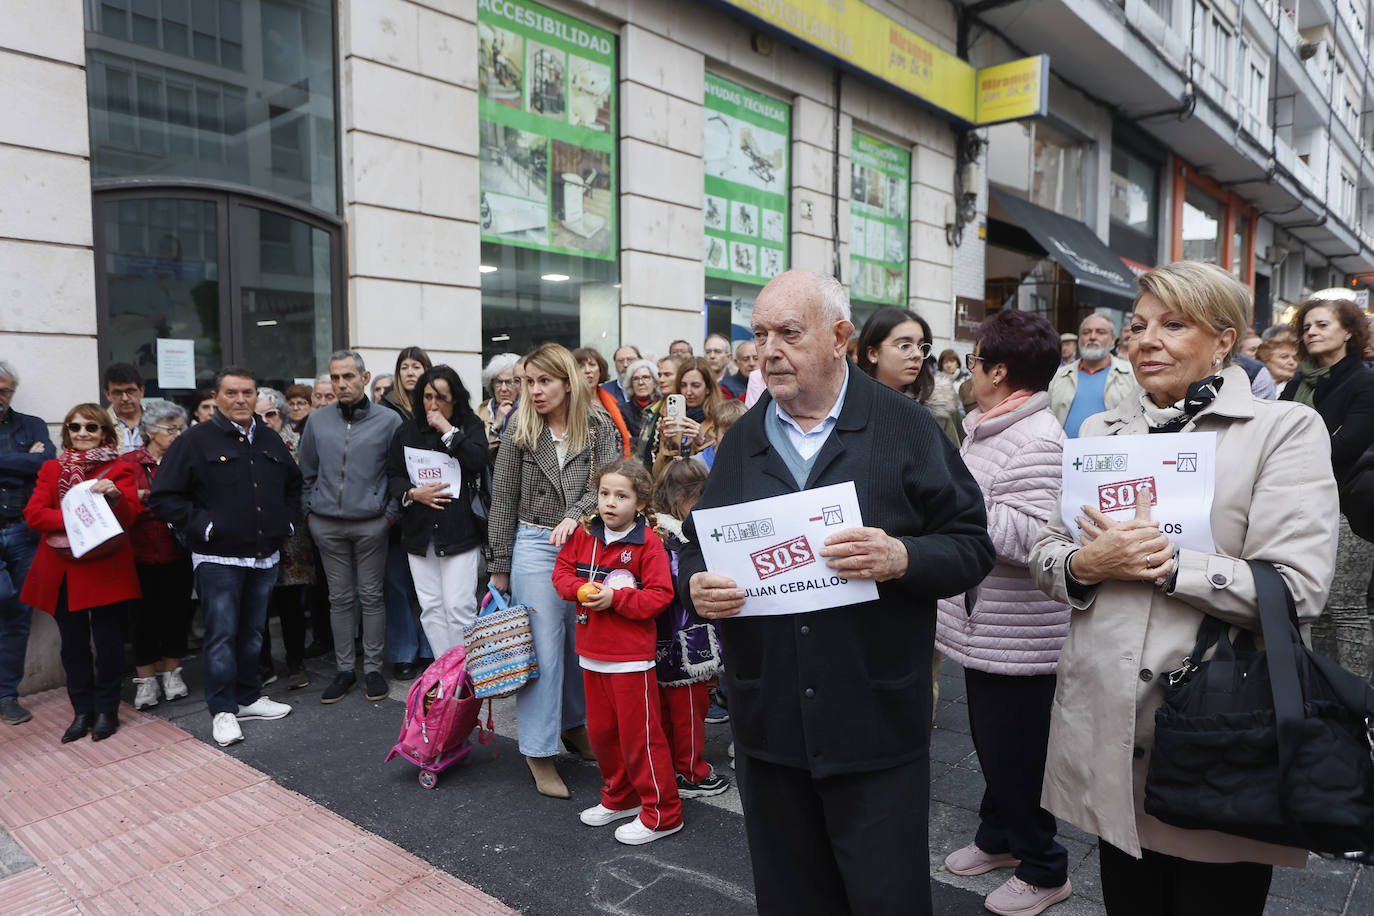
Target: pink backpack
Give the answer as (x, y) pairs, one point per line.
(441, 712)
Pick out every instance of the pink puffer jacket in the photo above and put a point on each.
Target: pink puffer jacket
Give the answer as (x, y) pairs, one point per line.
(1007, 625)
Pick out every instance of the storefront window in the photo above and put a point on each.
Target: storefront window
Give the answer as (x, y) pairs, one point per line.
(1203, 216)
(1239, 244)
(175, 90)
(747, 160)
(880, 188)
(548, 179)
(730, 309)
(1057, 178)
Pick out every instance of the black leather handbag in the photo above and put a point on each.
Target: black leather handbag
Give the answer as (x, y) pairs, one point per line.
(1272, 744)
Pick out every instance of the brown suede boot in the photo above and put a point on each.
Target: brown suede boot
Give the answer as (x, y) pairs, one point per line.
(546, 778)
(577, 742)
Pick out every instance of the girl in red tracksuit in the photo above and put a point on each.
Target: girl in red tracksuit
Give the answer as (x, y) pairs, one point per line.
(617, 570)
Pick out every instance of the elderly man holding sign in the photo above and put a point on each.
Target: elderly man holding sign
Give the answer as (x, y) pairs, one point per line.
(1139, 590)
(831, 709)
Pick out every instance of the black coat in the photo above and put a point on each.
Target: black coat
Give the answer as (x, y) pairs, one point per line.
(1345, 400)
(849, 690)
(452, 529)
(251, 491)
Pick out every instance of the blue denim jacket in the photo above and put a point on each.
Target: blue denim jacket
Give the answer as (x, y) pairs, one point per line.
(18, 466)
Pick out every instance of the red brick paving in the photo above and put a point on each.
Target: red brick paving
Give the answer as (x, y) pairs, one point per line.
(154, 821)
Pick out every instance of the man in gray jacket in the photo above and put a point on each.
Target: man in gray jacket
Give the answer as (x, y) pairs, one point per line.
(343, 459)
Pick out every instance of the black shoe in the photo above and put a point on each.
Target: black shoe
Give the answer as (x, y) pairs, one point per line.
(81, 724)
(106, 724)
(375, 686)
(14, 714)
(711, 785)
(343, 682)
(403, 671)
(317, 648)
(423, 662)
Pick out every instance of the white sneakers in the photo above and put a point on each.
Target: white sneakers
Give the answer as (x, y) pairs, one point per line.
(146, 693)
(636, 834)
(173, 687)
(226, 729)
(263, 708)
(600, 815)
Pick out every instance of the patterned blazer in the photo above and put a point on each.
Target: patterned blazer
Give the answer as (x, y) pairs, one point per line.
(530, 487)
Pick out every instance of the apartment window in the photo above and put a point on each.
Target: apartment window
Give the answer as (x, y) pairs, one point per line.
(1134, 206)
(1057, 179)
(1219, 50)
(1257, 86)
(1203, 216)
(1163, 8)
(1347, 199)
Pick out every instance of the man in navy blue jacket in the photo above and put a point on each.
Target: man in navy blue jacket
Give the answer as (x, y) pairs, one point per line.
(232, 486)
(831, 710)
(24, 446)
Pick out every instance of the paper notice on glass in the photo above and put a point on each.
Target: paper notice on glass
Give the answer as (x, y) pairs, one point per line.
(88, 518)
(176, 363)
(771, 549)
(1106, 472)
(427, 466)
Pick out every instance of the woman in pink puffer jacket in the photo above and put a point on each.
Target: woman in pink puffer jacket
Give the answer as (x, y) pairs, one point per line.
(1006, 633)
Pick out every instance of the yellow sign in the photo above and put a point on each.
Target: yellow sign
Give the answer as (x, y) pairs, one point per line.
(1019, 89)
(864, 39)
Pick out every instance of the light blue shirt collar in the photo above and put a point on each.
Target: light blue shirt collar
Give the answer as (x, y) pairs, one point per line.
(809, 443)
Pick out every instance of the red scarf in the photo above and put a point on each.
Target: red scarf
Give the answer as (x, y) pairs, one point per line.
(80, 466)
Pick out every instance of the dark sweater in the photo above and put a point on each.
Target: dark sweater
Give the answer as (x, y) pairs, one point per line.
(848, 690)
(250, 491)
(1345, 400)
(452, 529)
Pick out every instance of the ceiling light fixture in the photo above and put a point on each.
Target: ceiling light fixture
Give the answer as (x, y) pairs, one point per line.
(500, 338)
(488, 268)
(555, 278)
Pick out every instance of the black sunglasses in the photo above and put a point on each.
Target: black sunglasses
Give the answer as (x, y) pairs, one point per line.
(75, 427)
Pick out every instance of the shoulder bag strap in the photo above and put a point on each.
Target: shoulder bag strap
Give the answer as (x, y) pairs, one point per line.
(1278, 618)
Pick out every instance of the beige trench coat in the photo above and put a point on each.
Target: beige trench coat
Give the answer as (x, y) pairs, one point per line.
(1275, 500)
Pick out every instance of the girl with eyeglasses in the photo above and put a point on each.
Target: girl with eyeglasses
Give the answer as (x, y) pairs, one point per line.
(87, 597)
(894, 347)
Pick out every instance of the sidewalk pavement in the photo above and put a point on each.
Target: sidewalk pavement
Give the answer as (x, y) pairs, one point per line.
(304, 816)
(153, 821)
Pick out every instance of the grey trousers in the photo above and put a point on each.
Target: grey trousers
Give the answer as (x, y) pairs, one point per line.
(1342, 632)
(353, 554)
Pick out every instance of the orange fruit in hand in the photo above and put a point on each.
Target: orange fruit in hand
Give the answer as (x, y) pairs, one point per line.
(587, 591)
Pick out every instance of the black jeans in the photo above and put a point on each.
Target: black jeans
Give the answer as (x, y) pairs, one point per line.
(1009, 716)
(93, 678)
(854, 843)
(1160, 885)
(288, 604)
(160, 617)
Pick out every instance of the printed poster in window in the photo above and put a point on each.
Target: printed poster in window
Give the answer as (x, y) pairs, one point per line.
(547, 131)
(878, 221)
(746, 204)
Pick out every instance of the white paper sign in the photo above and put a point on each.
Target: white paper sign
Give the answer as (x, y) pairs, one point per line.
(176, 363)
(88, 518)
(771, 549)
(1106, 472)
(428, 466)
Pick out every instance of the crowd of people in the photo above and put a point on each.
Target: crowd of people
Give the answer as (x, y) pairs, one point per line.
(576, 479)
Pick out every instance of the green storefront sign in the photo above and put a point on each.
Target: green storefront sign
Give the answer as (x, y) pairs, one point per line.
(878, 224)
(547, 89)
(747, 159)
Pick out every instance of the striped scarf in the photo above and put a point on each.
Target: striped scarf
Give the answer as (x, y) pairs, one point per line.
(79, 466)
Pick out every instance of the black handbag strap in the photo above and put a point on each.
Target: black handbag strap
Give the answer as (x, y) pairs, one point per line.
(1278, 622)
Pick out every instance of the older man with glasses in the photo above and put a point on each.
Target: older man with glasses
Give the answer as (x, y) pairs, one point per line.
(24, 446)
(717, 350)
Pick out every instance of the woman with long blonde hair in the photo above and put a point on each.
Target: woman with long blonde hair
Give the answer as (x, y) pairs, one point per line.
(540, 490)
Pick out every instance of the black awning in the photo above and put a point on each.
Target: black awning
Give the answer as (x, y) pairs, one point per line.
(1074, 246)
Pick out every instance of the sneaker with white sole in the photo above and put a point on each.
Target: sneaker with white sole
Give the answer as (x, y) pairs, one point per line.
(713, 784)
(1018, 898)
(636, 834)
(173, 687)
(226, 729)
(263, 708)
(146, 693)
(973, 861)
(600, 815)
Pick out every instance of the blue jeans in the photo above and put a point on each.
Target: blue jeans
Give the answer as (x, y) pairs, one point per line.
(404, 640)
(553, 702)
(233, 604)
(18, 543)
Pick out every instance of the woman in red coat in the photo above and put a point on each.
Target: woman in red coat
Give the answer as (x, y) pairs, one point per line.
(86, 597)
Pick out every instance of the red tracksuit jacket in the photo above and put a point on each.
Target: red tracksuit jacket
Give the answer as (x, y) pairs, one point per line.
(626, 632)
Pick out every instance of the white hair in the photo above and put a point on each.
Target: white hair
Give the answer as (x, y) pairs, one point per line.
(495, 366)
(275, 398)
(9, 372)
(324, 378)
(834, 297)
(157, 412)
(629, 373)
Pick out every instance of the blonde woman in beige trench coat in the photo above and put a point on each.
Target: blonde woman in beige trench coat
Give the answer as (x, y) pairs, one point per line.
(1137, 603)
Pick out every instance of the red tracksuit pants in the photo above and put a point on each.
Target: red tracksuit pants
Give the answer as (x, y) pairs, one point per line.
(626, 730)
(684, 722)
